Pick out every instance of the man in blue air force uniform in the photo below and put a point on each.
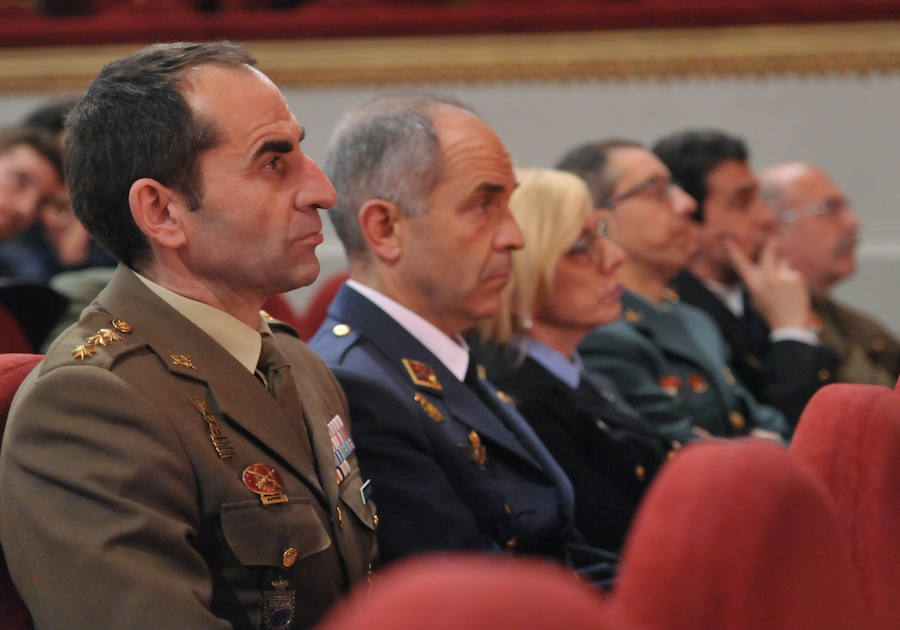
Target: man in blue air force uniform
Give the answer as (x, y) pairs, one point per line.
(423, 188)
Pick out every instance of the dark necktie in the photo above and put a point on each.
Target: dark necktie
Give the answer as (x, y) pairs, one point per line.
(276, 373)
(754, 322)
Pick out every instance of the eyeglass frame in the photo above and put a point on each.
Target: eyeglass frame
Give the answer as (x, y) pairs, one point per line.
(611, 202)
(584, 245)
(830, 207)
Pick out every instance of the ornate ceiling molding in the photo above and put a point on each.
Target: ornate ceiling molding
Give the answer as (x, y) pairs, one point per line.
(751, 51)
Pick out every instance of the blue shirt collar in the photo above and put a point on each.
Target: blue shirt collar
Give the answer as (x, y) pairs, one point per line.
(565, 369)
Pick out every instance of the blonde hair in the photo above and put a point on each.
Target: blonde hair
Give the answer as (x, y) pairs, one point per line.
(550, 207)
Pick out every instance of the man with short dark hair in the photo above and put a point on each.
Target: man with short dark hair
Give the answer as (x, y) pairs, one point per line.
(819, 232)
(423, 190)
(31, 175)
(178, 460)
(760, 304)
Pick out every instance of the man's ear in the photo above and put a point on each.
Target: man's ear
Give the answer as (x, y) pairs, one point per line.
(383, 226)
(157, 211)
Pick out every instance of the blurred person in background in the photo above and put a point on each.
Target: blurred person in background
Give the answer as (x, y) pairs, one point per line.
(667, 357)
(818, 234)
(760, 304)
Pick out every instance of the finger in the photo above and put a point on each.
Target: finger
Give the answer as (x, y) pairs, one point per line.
(739, 260)
(768, 257)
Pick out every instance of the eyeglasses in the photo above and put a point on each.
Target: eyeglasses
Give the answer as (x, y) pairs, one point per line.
(657, 187)
(831, 207)
(586, 246)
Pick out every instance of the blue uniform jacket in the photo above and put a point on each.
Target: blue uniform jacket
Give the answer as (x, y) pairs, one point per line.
(450, 469)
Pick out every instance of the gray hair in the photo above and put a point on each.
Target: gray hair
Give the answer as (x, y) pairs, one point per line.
(387, 149)
(590, 162)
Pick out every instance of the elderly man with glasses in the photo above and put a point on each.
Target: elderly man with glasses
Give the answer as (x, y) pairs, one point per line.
(668, 358)
(819, 231)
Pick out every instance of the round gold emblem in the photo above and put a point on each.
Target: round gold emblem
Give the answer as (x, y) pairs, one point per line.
(289, 557)
(122, 326)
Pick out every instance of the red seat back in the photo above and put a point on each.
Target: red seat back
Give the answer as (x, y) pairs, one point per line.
(736, 535)
(464, 591)
(13, 370)
(849, 435)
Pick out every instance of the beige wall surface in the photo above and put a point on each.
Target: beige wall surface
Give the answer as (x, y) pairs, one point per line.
(845, 121)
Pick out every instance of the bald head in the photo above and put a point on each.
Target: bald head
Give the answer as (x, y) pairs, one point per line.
(818, 226)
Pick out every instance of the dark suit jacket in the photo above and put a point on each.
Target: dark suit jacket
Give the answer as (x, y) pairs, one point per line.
(609, 452)
(118, 510)
(784, 374)
(418, 444)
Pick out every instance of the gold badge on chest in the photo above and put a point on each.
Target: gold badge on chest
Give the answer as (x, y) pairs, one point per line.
(421, 374)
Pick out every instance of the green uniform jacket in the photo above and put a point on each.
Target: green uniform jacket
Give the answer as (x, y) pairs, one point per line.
(120, 510)
(670, 362)
(867, 351)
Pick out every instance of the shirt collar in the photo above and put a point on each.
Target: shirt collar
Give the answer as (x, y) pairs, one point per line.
(731, 296)
(566, 370)
(238, 339)
(453, 352)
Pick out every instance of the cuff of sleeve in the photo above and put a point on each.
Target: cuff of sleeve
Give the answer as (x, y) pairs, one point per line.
(803, 335)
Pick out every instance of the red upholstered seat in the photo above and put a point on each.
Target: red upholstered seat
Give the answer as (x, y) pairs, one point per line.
(12, 336)
(849, 435)
(13, 370)
(468, 592)
(736, 535)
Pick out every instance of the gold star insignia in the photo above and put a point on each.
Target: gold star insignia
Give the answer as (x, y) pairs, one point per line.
(182, 360)
(84, 351)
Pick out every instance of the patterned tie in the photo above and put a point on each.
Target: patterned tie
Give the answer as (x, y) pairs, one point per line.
(275, 373)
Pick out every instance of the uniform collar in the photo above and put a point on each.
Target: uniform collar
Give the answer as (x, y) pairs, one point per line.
(452, 352)
(238, 339)
(731, 296)
(567, 370)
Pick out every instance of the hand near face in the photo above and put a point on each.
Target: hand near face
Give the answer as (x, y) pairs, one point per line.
(778, 292)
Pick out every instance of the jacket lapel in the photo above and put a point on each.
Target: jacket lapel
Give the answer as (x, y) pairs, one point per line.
(190, 353)
(395, 344)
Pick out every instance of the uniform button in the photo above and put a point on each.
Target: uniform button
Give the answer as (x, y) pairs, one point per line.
(737, 420)
(824, 374)
(671, 454)
(340, 330)
(121, 325)
(340, 517)
(512, 543)
(640, 472)
(289, 557)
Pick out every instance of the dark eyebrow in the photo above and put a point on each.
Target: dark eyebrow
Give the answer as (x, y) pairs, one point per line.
(491, 189)
(278, 146)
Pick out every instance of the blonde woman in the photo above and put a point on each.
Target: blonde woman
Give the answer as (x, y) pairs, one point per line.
(563, 286)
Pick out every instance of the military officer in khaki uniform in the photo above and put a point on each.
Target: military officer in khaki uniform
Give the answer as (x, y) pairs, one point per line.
(819, 231)
(667, 358)
(178, 460)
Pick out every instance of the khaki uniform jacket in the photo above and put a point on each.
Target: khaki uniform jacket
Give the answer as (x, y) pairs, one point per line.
(867, 351)
(120, 510)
